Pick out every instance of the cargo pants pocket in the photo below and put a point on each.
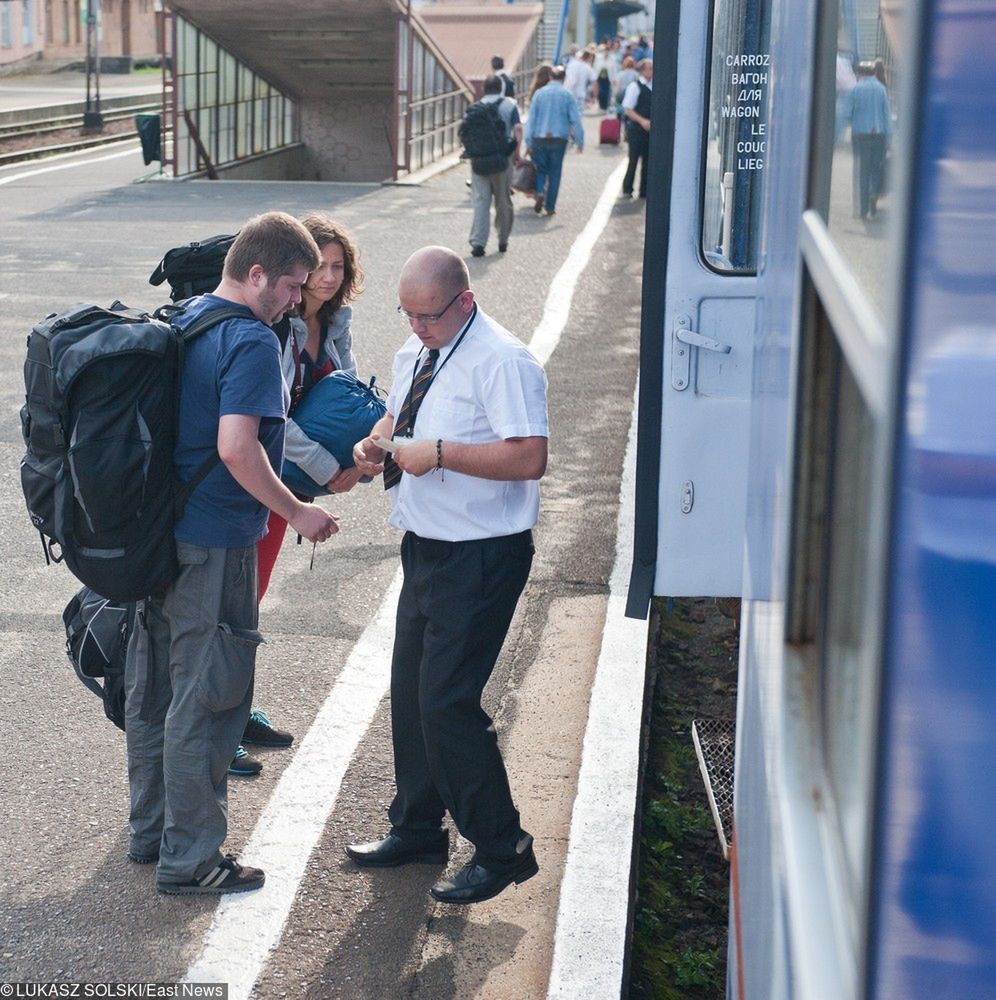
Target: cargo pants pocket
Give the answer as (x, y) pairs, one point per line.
(232, 662)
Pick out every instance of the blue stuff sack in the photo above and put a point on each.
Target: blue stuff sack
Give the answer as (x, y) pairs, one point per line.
(337, 412)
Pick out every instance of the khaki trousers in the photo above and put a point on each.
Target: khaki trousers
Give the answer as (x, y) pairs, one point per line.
(496, 187)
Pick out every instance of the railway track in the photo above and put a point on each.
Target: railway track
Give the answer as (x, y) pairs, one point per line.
(64, 133)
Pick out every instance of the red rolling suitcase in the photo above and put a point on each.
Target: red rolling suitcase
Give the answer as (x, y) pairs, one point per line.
(608, 131)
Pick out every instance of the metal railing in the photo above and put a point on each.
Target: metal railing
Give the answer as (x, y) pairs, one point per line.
(430, 101)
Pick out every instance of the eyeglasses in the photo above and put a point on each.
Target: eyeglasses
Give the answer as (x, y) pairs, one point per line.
(429, 317)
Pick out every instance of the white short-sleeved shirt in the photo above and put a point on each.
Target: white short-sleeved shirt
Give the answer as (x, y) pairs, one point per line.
(632, 94)
(489, 387)
(579, 77)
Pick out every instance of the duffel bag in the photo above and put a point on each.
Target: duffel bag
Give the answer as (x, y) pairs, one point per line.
(337, 412)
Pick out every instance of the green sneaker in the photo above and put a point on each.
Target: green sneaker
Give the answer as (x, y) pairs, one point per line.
(244, 766)
(261, 732)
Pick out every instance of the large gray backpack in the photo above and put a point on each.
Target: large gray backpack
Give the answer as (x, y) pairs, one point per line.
(100, 424)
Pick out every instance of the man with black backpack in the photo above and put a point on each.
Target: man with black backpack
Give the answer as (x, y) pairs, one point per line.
(491, 132)
(191, 655)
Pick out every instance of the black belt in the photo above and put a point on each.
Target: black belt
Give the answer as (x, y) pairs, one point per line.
(502, 542)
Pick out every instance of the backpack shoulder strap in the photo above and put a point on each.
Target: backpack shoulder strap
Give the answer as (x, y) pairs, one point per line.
(282, 329)
(211, 318)
(201, 325)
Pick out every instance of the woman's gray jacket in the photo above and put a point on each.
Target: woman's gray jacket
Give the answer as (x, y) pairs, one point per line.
(309, 455)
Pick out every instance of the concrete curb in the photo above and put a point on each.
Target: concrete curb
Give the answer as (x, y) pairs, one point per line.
(418, 177)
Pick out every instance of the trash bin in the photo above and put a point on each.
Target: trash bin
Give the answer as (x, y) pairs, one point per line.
(149, 132)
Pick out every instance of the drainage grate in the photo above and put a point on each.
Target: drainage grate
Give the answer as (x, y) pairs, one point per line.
(714, 741)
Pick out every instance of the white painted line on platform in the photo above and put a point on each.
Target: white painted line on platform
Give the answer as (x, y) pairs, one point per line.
(246, 928)
(131, 150)
(558, 303)
(590, 943)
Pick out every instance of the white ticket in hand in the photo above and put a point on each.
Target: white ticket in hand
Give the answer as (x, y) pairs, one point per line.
(394, 444)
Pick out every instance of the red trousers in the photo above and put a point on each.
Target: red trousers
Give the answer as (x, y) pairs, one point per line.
(268, 548)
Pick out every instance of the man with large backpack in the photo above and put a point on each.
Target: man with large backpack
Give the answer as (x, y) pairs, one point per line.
(491, 132)
(191, 655)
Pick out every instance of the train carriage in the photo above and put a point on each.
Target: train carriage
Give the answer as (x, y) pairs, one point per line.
(817, 434)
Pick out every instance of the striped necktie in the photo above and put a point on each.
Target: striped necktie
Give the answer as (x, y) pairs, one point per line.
(409, 410)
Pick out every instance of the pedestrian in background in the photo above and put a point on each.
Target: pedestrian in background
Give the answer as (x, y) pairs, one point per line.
(496, 186)
(580, 78)
(871, 129)
(507, 83)
(553, 120)
(626, 76)
(636, 106)
(544, 73)
(604, 75)
(465, 491)
(845, 81)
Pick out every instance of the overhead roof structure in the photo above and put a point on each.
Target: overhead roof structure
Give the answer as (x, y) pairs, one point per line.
(471, 33)
(618, 8)
(608, 12)
(339, 60)
(308, 46)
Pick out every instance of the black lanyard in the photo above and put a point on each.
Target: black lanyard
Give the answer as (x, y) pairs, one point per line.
(303, 367)
(417, 365)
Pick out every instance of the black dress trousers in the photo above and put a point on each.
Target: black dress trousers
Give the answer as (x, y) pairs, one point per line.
(639, 149)
(454, 611)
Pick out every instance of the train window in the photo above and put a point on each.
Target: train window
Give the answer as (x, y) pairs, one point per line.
(869, 65)
(736, 134)
(833, 575)
(843, 415)
(845, 701)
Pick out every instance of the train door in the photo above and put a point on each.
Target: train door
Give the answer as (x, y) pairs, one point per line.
(698, 307)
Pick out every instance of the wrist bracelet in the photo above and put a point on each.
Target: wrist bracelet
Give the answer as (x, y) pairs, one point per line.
(439, 457)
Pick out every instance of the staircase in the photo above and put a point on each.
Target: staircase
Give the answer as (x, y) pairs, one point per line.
(548, 31)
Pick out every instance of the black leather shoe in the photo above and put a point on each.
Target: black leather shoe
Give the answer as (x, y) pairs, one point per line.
(394, 850)
(474, 883)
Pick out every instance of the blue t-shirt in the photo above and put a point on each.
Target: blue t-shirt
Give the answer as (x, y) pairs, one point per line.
(232, 368)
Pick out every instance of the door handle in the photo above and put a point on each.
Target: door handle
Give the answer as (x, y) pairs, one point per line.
(697, 340)
(683, 339)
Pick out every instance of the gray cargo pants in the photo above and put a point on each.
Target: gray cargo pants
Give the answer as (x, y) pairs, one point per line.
(482, 189)
(191, 660)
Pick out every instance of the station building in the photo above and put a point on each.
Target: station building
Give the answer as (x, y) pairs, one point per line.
(40, 34)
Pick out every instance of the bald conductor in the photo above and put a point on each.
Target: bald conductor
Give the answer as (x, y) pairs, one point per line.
(468, 405)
